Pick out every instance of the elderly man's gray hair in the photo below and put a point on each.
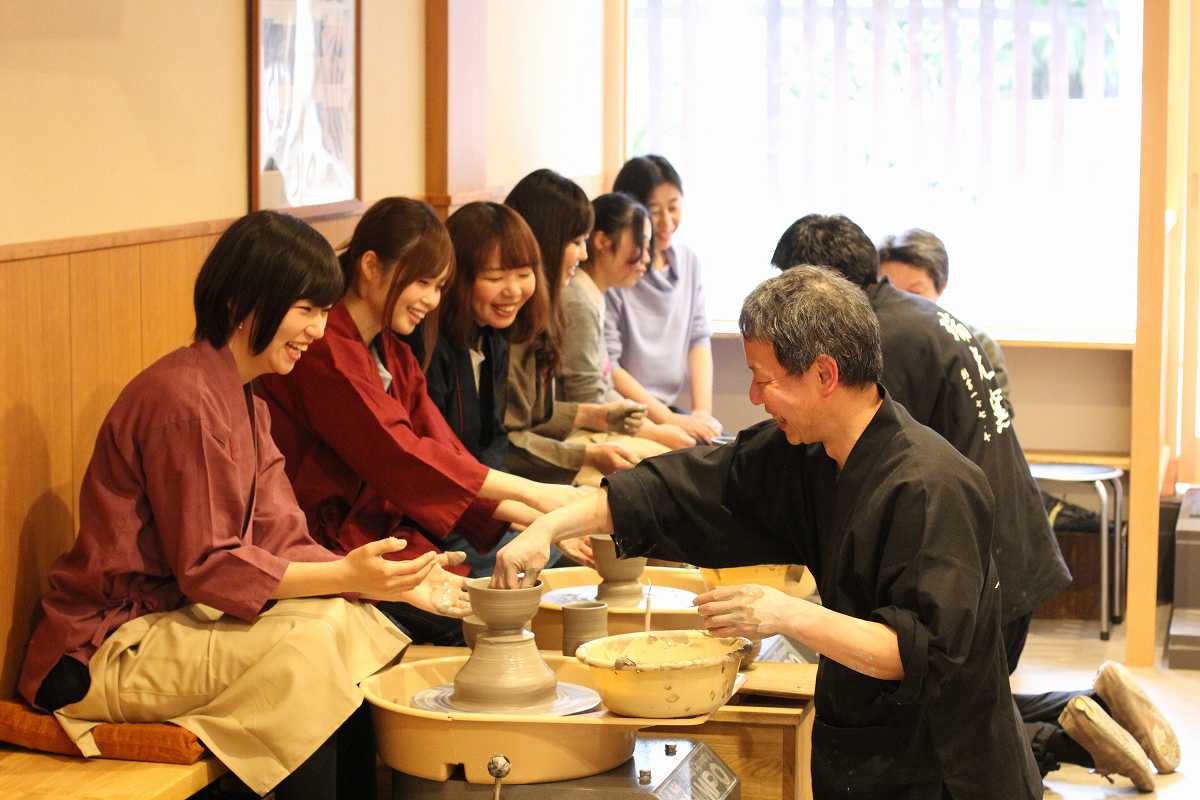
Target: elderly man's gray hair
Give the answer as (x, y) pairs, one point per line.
(809, 311)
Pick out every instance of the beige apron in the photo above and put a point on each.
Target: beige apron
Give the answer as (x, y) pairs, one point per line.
(263, 696)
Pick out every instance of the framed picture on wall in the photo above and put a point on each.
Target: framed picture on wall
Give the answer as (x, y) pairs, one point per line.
(305, 123)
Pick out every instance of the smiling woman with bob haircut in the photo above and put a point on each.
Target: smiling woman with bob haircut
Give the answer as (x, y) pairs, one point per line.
(162, 610)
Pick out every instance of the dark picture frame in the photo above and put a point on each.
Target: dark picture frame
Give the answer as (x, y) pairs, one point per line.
(305, 65)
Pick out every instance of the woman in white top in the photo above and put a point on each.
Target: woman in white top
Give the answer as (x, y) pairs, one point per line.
(657, 330)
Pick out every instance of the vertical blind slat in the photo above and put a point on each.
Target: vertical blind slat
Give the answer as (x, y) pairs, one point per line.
(880, 17)
(841, 92)
(916, 69)
(951, 67)
(1059, 87)
(1023, 82)
(774, 54)
(808, 88)
(1093, 56)
(657, 91)
(987, 87)
(691, 68)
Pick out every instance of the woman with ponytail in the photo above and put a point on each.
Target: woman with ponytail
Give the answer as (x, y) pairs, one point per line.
(559, 217)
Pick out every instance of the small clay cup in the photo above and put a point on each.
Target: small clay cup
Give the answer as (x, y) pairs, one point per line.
(472, 627)
(611, 568)
(503, 610)
(583, 621)
(620, 585)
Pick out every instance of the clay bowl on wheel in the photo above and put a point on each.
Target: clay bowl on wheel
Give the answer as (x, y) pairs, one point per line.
(664, 674)
(503, 610)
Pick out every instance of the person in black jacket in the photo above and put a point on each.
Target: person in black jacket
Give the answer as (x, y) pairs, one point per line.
(936, 368)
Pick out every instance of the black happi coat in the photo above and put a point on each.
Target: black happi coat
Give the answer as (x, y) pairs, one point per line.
(933, 366)
(900, 536)
(476, 416)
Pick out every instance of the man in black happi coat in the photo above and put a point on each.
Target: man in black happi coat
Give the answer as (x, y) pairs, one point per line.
(912, 697)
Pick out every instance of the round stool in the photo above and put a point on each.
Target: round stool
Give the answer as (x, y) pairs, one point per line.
(1099, 476)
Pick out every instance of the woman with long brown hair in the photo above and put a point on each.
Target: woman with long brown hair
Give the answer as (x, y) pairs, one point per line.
(559, 217)
(368, 452)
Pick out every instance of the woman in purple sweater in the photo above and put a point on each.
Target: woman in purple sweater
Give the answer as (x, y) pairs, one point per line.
(657, 330)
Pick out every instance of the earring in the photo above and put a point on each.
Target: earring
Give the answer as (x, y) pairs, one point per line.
(241, 325)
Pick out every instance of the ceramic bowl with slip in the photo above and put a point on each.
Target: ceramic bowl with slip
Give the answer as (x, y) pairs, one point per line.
(664, 674)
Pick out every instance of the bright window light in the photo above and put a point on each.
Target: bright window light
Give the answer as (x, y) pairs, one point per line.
(1009, 128)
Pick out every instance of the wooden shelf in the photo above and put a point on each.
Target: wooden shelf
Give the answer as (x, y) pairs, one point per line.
(1049, 344)
(1108, 459)
(727, 329)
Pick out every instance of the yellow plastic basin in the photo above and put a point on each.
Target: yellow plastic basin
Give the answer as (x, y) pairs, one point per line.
(664, 674)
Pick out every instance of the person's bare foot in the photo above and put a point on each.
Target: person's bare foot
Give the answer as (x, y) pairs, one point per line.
(1136, 713)
(1112, 747)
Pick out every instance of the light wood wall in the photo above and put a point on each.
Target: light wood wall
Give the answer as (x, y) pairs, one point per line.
(85, 324)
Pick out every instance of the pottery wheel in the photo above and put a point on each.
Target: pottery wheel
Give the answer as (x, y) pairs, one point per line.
(570, 698)
(663, 598)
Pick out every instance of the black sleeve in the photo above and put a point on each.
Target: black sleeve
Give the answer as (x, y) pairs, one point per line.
(932, 576)
(439, 383)
(709, 506)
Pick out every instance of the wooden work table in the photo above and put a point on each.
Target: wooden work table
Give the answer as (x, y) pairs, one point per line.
(766, 741)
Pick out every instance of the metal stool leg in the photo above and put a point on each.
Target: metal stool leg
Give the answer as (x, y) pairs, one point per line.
(1104, 605)
(1119, 557)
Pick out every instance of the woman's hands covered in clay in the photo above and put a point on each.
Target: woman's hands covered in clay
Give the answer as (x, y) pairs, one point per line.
(748, 610)
(624, 416)
(701, 427)
(442, 593)
(368, 573)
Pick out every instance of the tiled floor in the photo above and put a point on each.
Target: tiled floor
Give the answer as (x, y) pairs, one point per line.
(1062, 655)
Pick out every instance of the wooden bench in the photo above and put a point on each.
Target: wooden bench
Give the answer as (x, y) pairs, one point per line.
(42, 776)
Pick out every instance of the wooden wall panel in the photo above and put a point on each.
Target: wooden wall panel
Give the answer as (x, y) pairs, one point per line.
(1148, 363)
(36, 497)
(106, 340)
(168, 273)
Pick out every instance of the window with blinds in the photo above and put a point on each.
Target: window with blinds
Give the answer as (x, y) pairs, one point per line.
(1007, 127)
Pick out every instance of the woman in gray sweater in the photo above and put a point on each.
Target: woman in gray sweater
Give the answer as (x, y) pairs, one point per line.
(618, 254)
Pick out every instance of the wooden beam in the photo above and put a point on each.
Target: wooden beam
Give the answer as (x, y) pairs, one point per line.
(455, 100)
(1148, 349)
(616, 44)
(1189, 462)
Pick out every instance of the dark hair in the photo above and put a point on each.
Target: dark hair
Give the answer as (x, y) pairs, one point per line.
(412, 243)
(262, 264)
(478, 230)
(641, 175)
(616, 213)
(557, 211)
(920, 249)
(809, 311)
(829, 241)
